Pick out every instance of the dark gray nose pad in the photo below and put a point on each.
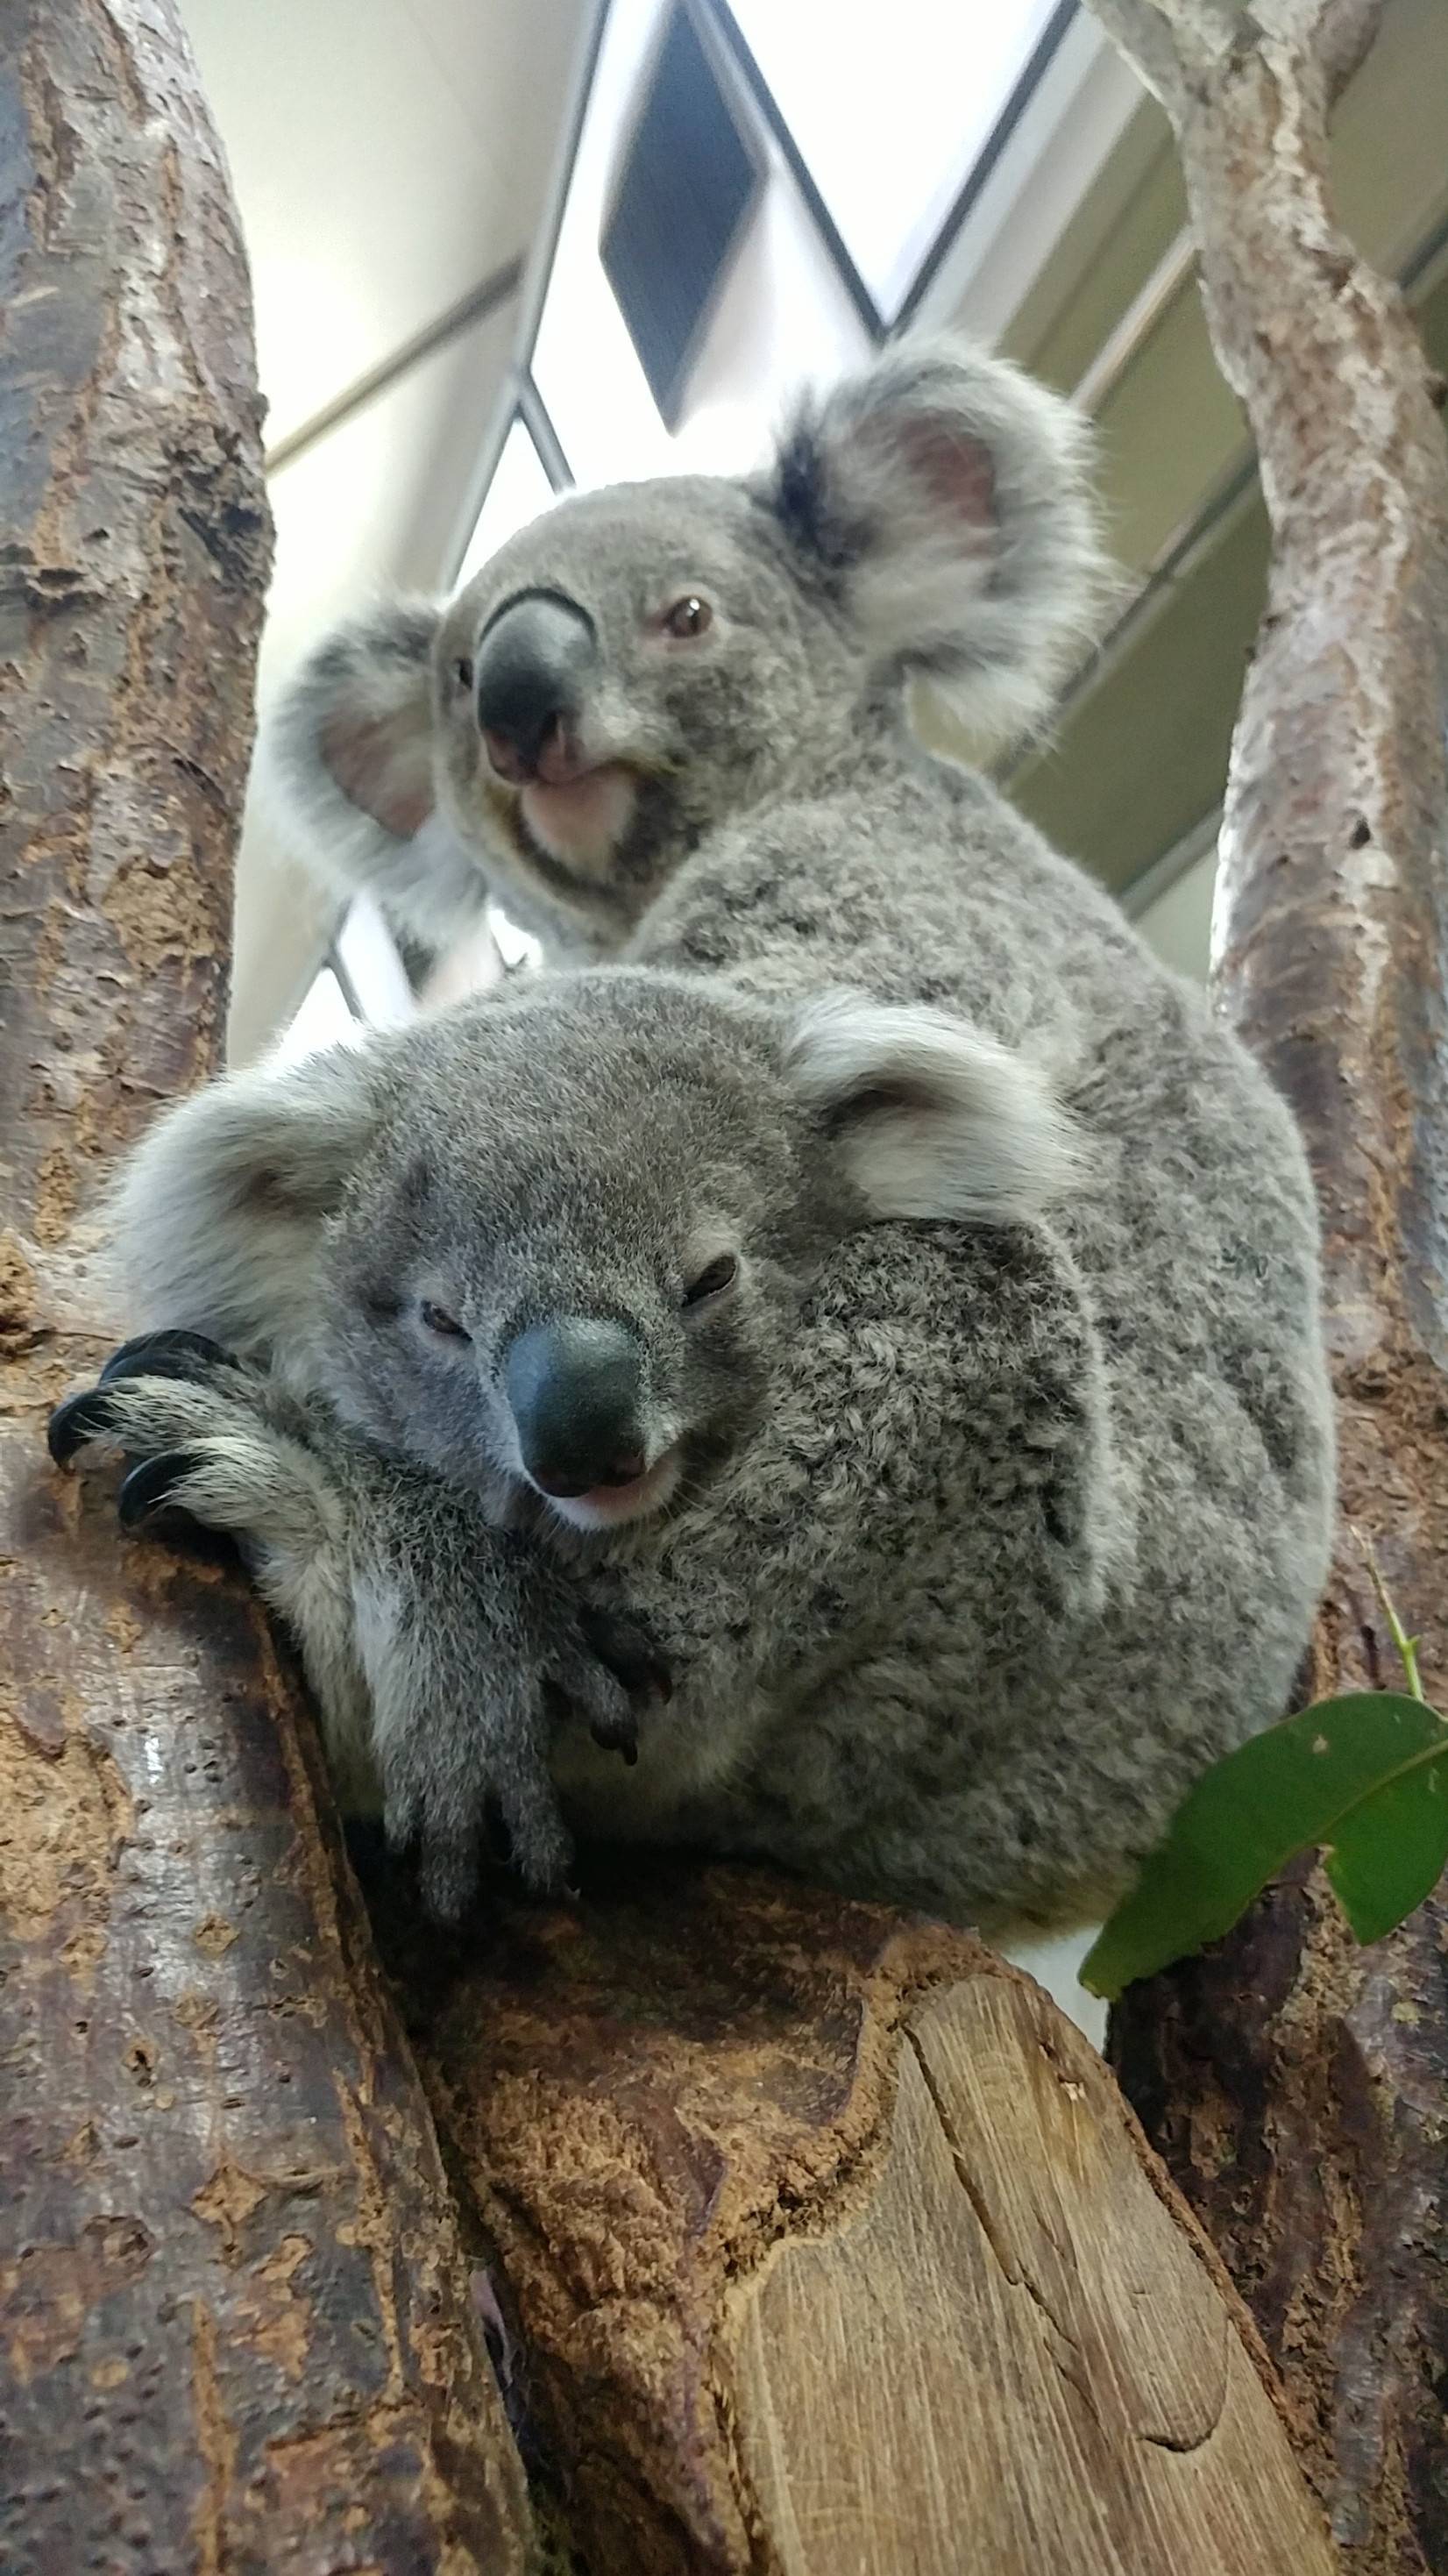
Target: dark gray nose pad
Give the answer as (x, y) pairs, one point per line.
(576, 1389)
(528, 676)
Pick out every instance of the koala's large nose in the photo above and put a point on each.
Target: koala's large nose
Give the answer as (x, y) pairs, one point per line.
(528, 675)
(576, 1388)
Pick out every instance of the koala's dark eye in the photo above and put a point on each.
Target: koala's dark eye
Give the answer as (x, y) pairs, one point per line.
(463, 673)
(719, 1275)
(689, 617)
(438, 1320)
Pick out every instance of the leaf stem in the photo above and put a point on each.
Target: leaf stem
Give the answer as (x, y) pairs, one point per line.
(1406, 1646)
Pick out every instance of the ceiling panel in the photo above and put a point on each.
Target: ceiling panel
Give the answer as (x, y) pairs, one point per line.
(371, 507)
(387, 155)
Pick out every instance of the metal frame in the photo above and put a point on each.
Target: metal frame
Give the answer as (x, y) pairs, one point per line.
(767, 107)
(532, 411)
(984, 165)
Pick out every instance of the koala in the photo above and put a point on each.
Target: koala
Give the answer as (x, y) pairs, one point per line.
(830, 1369)
(717, 1405)
(648, 665)
(423, 1427)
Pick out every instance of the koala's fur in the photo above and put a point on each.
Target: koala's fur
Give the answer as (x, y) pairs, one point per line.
(1004, 1469)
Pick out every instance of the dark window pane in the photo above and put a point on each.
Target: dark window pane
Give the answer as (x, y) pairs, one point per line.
(688, 181)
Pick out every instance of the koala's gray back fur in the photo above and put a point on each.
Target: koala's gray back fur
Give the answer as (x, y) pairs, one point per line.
(1010, 1713)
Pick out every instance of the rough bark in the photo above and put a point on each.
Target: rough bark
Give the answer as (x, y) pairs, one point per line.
(1295, 2084)
(236, 2329)
(830, 2242)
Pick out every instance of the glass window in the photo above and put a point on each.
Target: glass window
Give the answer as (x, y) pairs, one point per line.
(686, 188)
(367, 954)
(890, 109)
(783, 317)
(323, 1018)
(519, 491)
(785, 322)
(585, 366)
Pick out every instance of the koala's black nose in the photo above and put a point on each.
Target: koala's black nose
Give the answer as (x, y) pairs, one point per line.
(576, 1388)
(528, 675)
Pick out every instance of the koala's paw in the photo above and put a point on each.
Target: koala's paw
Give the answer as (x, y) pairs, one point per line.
(463, 1744)
(629, 1658)
(201, 1455)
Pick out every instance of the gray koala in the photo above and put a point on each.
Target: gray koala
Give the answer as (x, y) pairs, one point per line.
(648, 664)
(858, 1356)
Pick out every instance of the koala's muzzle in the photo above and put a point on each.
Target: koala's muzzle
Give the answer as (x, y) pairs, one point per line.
(531, 667)
(576, 1388)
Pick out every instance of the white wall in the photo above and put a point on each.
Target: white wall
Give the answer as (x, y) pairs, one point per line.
(1179, 923)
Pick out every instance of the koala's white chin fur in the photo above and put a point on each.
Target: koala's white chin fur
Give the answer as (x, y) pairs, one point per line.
(609, 1506)
(584, 821)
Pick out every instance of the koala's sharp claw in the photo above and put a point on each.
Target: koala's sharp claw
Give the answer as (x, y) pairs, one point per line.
(144, 1500)
(628, 1652)
(618, 1736)
(173, 1353)
(81, 1418)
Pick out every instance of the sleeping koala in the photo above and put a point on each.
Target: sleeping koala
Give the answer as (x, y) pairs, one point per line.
(931, 1393)
(553, 1291)
(649, 664)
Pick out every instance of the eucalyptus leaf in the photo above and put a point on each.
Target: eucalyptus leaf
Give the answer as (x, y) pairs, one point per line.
(1296, 1785)
(1391, 1849)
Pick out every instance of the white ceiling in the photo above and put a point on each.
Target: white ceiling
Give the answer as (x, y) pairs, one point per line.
(388, 157)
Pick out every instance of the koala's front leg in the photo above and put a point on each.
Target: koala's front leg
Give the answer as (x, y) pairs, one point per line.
(213, 1443)
(439, 1648)
(474, 1645)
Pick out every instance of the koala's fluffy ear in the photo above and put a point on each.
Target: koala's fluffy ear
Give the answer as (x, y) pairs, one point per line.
(345, 762)
(933, 1118)
(216, 1219)
(944, 498)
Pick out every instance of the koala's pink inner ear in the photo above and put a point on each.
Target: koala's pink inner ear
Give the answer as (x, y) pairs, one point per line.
(383, 766)
(954, 475)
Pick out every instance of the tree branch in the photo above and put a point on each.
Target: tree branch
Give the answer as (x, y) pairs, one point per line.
(1177, 46)
(236, 2322)
(1291, 2080)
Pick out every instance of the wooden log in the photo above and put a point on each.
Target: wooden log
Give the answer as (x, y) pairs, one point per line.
(236, 2327)
(1296, 2084)
(834, 2251)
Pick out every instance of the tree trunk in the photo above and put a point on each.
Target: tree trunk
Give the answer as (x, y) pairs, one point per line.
(833, 2250)
(236, 2329)
(1295, 2084)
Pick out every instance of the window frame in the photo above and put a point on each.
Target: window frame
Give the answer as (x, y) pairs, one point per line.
(1010, 139)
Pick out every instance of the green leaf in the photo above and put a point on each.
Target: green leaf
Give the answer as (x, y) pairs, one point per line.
(1281, 1792)
(1390, 1850)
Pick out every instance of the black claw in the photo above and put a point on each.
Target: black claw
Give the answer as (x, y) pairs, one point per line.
(81, 1418)
(173, 1353)
(628, 1653)
(619, 1735)
(144, 1500)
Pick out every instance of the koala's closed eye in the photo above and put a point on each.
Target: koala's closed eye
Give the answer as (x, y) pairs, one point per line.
(712, 1280)
(439, 1321)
